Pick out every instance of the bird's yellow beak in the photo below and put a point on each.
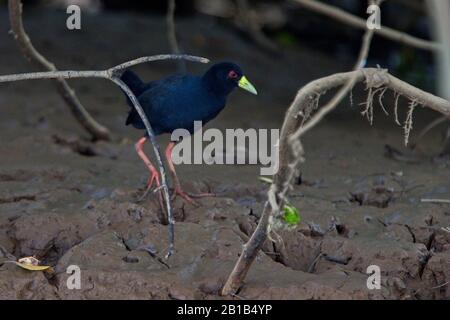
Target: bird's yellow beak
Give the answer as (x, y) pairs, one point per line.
(246, 85)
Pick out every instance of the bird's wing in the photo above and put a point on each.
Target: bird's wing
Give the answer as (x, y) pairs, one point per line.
(163, 91)
(157, 98)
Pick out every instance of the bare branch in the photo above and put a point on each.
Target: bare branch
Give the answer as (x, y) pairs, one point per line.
(105, 74)
(362, 58)
(172, 33)
(134, 62)
(113, 74)
(357, 22)
(291, 150)
(292, 153)
(435, 200)
(282, 182)
(408, 125)
(67, 93)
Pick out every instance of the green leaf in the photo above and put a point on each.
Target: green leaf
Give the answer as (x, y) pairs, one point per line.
(291, 215)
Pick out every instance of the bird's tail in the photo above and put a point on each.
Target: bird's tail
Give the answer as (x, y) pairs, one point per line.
(136, 85)
(132, 80)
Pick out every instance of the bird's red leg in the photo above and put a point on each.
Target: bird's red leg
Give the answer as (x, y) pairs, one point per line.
(154, 175)
(177, 186)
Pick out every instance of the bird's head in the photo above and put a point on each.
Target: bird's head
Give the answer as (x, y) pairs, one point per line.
(223, 77)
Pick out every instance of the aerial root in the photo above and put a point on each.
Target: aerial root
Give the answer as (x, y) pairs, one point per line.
(380, 100)
(372, 93)
(351, 97)
(368, 110)
(408, 125)
(396, 98)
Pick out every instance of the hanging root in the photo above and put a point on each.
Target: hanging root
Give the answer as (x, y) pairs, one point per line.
(368, 110)
(408, 125)
(376, 83)
(351, 97)
(396, 98)
(380, 100)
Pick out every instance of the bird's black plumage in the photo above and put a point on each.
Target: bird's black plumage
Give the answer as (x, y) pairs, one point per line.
(179, 100)
(176, 102)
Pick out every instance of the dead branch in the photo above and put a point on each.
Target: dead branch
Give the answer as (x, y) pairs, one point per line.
(357, 22)
(373, 78)
(350, 82)
(172, 33)
(67, 93)
(435, 200)
(283, 179)
(292, 153)
(113, 74)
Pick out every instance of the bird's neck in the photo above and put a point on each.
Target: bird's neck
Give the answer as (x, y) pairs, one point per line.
(215, 86)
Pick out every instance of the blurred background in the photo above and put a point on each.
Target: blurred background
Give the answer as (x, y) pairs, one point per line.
(281, 26)
(281, 45)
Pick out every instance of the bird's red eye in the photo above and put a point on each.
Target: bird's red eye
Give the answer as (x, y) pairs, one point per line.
(232, 74)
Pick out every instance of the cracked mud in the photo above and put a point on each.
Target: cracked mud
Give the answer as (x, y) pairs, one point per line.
(71, 201)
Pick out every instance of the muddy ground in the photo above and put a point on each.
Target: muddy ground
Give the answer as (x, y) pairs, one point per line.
(68, 200)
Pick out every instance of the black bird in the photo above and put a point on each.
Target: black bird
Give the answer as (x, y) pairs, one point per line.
(176, 102)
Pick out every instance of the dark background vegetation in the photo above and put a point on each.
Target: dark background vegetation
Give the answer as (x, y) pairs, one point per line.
(289, 25)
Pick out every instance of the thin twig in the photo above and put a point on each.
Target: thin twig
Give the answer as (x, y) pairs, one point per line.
(314, 263)
(396, 99)
(113, 74)
(67, 93)
(172, 33)
(407, 127)
(435, 200)
(441, 285)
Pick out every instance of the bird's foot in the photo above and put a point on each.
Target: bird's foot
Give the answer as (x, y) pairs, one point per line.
(154, 177)
(179, 192)
(188, 196)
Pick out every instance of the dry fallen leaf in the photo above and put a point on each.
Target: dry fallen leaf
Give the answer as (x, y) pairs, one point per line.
(32, 267)
(30, 263)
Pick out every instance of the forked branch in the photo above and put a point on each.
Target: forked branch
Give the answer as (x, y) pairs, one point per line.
(67, 93)
(113, 74)
(282, 181)
(356, 22)
(292, 152)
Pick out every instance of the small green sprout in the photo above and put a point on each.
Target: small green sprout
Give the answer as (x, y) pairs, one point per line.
(291, 215)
